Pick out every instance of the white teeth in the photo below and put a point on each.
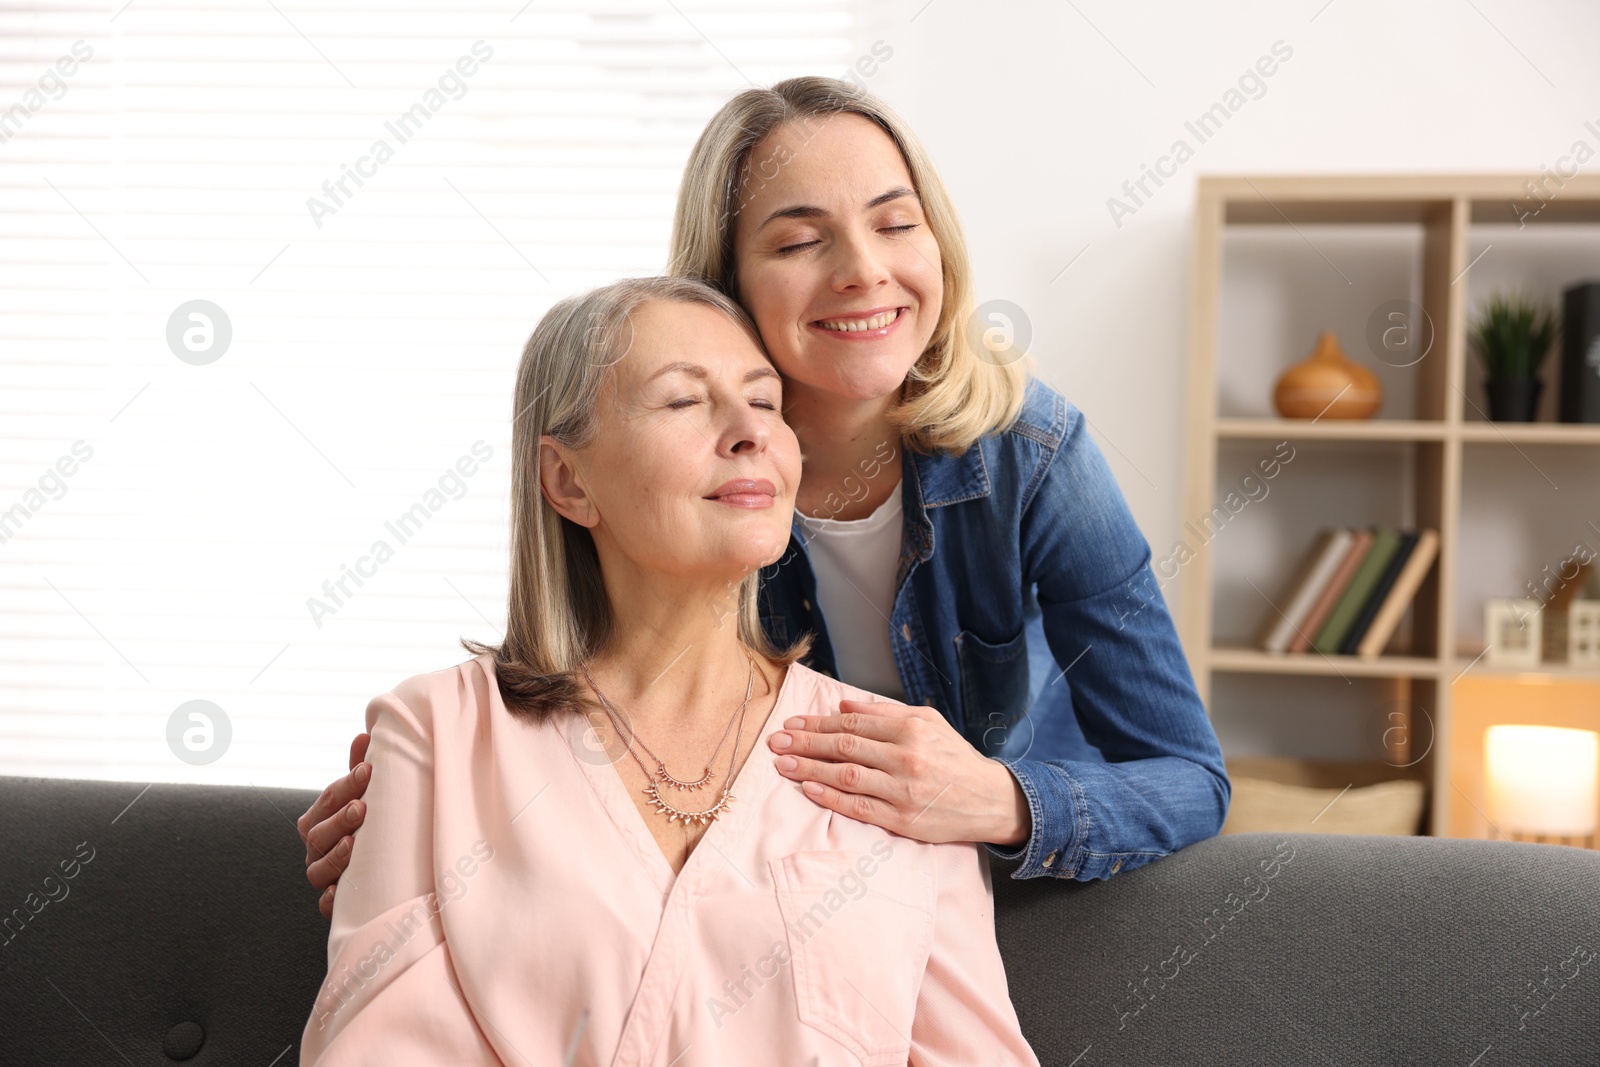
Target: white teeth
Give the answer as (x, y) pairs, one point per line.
(857, 325)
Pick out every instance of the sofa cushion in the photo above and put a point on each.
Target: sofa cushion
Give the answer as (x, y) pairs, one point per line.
(1259, 806)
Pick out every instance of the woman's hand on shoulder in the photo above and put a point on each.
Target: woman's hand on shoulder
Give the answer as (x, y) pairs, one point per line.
(329, 825)
(905, 769)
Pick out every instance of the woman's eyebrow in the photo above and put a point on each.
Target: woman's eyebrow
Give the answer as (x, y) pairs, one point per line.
(804, 211)
(695, 370)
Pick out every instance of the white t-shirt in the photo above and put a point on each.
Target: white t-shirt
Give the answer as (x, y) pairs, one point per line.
(855, 562)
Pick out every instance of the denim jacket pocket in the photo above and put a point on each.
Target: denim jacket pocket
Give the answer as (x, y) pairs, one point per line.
(994, 688)
(860, 930)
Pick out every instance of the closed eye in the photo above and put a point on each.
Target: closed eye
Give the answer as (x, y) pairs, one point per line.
(691, 401)
(786, 249)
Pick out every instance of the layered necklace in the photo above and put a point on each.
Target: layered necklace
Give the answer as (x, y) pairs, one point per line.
(662, 777)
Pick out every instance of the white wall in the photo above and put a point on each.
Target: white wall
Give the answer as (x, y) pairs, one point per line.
(1037, 112)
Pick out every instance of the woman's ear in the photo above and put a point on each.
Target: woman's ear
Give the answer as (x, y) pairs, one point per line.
(562, 485)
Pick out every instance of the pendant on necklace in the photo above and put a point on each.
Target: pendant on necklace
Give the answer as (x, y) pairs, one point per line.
(704, 779)
(673, 814)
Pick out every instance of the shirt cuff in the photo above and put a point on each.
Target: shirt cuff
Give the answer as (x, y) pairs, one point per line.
(1056, 804)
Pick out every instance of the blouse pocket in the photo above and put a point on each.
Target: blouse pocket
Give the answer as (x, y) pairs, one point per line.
(994, 688)
(860, 930)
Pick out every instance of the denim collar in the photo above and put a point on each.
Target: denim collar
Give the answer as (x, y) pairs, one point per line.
(933, 481)
(946, 479)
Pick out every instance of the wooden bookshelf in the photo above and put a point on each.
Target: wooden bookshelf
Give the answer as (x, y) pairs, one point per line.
(1332, 430)
(1422, 444)
(1255, 661)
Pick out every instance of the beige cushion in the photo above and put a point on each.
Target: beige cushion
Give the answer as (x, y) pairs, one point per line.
(1393, 808)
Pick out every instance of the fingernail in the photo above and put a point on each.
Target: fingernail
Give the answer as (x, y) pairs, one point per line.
(363, 772)
(794, 723)
(812, 789)
(781, 741)
(344, 848)
(352, 812)
(787, 763)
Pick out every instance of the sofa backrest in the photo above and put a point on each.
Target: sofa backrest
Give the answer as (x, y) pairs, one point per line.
(1314, 949)
(173, 923)
(182, 918)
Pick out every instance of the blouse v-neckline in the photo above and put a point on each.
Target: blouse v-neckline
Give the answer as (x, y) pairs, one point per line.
(750, 787)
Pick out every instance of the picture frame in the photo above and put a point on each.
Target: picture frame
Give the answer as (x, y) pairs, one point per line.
(1513, 628)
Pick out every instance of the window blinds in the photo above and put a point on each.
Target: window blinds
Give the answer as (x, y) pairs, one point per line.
(268, 268)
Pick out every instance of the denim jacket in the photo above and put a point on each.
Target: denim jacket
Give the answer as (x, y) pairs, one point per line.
(1027, 613)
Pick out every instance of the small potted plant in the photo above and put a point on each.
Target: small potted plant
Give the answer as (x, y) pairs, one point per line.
(1512, 335)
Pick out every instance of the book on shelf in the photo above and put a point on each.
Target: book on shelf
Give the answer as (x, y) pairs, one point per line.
(1316, 568)
(1350, 591)
(1361, 542)
(1343, 615)
(1404, 590)
(1380, 592)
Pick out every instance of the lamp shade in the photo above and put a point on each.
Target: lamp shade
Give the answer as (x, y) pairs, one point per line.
(1543, 779)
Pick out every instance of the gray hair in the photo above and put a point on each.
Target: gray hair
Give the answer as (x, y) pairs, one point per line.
(558, 615)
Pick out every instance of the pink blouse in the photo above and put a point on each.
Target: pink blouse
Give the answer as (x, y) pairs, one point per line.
(507, 904)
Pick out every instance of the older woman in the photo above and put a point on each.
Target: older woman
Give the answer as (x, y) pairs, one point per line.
(570, 855)
(959, 541)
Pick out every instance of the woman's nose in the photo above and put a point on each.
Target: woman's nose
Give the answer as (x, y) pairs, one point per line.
(745, 433)
(858, 265)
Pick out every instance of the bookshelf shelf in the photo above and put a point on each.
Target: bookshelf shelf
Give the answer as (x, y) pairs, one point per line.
(1279, 258)
(1547, 672)
(1255, 661)
(1333, 430)
(1488, 433)
(1529, 433)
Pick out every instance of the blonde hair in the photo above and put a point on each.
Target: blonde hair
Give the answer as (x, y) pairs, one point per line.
(558, 614)
(952, 396)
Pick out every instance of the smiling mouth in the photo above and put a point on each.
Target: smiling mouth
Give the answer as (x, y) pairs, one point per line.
(859, 325)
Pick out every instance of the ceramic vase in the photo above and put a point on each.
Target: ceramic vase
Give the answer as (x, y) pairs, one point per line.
(1327, 384)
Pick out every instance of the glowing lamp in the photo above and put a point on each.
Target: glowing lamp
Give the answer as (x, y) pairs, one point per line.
(1542, 780)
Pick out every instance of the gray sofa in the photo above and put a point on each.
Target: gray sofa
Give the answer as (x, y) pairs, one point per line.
(173, 923)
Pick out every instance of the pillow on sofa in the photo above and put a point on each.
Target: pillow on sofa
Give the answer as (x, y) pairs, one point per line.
(1388, 808)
